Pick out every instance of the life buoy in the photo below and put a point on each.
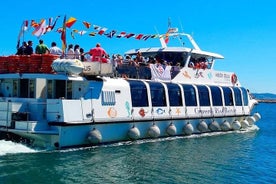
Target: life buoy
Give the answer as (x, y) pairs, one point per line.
(234, 78)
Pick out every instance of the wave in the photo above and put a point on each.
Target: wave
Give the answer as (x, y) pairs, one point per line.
(9, 147)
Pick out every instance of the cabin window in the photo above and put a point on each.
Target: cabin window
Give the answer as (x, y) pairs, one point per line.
(60, 86)
(24, 87)
(203, 93)
(216, 96)
(228, 96)
(139, 96)
(174, 92)
(69, 90)
(108, 98)
(190, 95)
(157, 92)
(31, 88)
(15, 88)
(50, 89)
(238, 97)
(245, 96)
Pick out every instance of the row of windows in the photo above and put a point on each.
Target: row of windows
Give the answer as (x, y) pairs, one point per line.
(230, 96)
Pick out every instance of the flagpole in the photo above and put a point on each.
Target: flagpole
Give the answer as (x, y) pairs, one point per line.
(63, 35)
(21, 31)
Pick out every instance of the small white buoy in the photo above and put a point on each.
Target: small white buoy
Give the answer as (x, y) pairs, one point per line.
(95, 136)
(154, 131)
(171, 130)
(225, 126)
(188, 129)
(257, 116)
(244, 124)
(236, 125)
(214, 126)
(134, 133)
(251, 120)
(202, 127)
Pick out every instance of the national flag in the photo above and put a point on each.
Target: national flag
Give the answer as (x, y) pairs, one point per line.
(63, 35)
(139, 36)
(102, 30)
(130, 35)
(86, 24)
(40, 30)
(122, 34)
(70, 22)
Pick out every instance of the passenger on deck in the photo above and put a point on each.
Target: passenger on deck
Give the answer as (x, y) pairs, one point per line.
(77, 51)
(55, 50)
(98, 53)
(82, 56)
(22, 50)
(29, 49)
(41, 48)
(70, 52)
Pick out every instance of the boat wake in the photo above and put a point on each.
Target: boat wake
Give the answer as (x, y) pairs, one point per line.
(9, 147)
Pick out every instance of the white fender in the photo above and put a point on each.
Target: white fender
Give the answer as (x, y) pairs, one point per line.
(257, 116)
(214, 126)
(244, 124)
(236, 125)
(202, 127)
(225, 126)
(134, 133)
(171, 130)
(95, 136)
(188, 129)
(154, 131)
(251, 120)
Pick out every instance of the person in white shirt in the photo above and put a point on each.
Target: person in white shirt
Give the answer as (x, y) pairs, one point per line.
(55, 50)
(77, 52)
(70, 52)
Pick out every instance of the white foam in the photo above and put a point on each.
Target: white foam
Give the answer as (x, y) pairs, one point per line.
(9, 147)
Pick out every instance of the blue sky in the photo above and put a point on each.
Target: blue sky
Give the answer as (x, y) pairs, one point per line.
(244, 31)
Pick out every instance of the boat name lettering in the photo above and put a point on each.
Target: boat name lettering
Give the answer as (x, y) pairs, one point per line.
(215, 110)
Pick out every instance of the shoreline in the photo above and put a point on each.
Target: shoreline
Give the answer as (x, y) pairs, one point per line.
(266, 100)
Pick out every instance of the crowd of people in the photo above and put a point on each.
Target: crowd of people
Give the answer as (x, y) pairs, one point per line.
(72, 52)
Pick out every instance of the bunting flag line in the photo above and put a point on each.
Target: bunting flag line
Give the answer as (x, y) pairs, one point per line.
(48, 24)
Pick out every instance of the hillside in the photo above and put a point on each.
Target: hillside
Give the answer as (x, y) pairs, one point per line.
(265, 97)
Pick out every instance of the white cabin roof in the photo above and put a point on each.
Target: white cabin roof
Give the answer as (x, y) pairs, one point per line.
(174, 49)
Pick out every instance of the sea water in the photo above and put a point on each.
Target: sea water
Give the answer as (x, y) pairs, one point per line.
(237, 157)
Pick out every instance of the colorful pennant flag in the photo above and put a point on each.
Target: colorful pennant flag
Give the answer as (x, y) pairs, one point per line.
(139, 36)
(70, 22)
(92, 34)
(86, 24)
(111, 34)
(102, 30)
(40, 30)
(122, 34)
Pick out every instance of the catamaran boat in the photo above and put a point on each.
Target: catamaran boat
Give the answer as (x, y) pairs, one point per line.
(175, 91)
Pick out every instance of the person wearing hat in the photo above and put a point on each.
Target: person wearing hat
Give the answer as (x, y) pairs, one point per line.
(98, 54)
